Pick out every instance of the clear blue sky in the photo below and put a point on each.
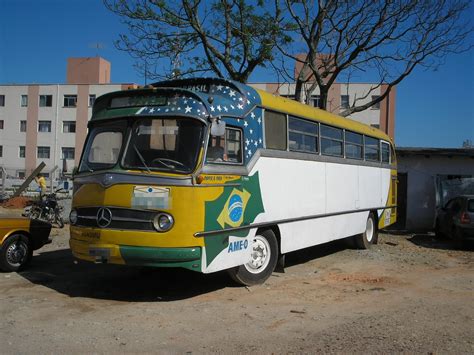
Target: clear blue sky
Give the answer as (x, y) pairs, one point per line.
(434, 109)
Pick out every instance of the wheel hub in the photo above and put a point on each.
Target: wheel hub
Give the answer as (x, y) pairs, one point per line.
(369, 234)
(260, 255)
(16, 253)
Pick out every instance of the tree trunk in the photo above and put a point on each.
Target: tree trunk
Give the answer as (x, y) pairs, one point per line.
(323, 98)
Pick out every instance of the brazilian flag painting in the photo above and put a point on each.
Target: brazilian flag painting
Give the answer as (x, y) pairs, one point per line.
(235, 207)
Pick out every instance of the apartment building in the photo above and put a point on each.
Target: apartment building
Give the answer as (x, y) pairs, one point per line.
(48, 122)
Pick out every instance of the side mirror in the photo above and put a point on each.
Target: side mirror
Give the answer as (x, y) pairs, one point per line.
(217, 127)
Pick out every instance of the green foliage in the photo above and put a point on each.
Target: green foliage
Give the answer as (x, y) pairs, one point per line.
(229, 38)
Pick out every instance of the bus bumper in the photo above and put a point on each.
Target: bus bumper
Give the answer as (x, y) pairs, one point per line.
(188, 258)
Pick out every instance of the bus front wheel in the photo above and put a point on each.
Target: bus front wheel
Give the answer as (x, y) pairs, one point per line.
(370, 236)
(263, 259)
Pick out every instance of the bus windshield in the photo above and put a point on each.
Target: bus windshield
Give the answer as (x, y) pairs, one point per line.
(169, 144)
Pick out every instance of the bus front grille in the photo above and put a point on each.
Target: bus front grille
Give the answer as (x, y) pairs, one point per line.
(115, 218)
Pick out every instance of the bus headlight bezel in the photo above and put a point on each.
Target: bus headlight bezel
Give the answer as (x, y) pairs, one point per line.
(73, 217)
(163, 222)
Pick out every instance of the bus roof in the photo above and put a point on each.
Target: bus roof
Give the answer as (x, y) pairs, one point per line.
(292, 107)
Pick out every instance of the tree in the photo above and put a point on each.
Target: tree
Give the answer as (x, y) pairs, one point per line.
(388, 38)
(229, 38)
(328, 39)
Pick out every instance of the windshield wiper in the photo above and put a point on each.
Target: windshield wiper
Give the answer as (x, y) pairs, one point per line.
(141, 158)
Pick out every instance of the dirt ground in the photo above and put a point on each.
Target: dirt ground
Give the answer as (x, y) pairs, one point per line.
(409, 293)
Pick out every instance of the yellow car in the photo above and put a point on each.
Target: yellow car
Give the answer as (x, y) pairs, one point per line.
(18, 238)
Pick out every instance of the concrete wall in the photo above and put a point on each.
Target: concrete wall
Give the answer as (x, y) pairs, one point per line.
(422, 171)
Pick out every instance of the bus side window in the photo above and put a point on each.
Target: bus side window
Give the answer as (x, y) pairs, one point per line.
(372, 149)
(225, 149)
(275, 130)
(385, 153)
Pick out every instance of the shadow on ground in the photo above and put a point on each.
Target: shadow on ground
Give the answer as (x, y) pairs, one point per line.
(432, 242)
(58, 271)
(304, 255)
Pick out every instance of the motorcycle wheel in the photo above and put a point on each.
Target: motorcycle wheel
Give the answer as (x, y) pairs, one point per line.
(59, 221)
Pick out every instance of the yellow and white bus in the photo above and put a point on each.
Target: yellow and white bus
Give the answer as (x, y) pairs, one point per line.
(210, 174)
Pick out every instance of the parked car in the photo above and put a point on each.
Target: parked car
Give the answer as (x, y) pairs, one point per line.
(18, 238)
(456, 219)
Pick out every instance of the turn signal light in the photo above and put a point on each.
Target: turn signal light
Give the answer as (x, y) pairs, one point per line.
(199, 179)
(465, 219)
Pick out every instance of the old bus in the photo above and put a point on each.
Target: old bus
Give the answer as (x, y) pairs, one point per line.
(209, 174)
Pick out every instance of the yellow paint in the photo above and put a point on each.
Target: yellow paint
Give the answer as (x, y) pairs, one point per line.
(187, 209)
(391, 201)
(8, 226)
(218, 179)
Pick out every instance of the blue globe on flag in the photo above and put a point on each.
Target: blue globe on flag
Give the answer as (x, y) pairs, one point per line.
(235, 208)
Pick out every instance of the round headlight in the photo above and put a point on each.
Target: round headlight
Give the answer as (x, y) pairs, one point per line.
(163, 222)
(73, 217)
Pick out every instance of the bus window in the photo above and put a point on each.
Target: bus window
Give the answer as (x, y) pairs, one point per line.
(331, 140)
(275, 130)
(225, 149)
(385, 153)
(372, 149)
(354, 145)
(302, 135)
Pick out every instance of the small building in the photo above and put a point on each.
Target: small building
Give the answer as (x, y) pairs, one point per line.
(427, 179)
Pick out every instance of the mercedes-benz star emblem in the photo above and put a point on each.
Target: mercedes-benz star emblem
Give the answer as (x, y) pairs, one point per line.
(104, 217)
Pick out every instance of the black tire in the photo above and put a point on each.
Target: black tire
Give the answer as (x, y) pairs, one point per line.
(59, 221)
(438, 233)
(15, 253)
(263, 260)
(370, 236)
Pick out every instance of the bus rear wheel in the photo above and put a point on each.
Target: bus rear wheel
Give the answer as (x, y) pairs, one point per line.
(370, 236)
(263, 259)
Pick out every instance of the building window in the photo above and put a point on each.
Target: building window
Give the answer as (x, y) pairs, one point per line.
(331, 140)
(91, 100)
(302, 135)
(21, 174)
(44, 126)
(1, 124)
(70, 100)
(344, 101)
(69, 126)
(377, 105)
(67, 153)
(24, 101)
(316, 100)
(46, 100)
(2, 100)
(43, 152)
(22, 126)
(1, 151)
(22, 153)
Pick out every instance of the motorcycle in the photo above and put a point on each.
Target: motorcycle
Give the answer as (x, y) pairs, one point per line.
(46, 209)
